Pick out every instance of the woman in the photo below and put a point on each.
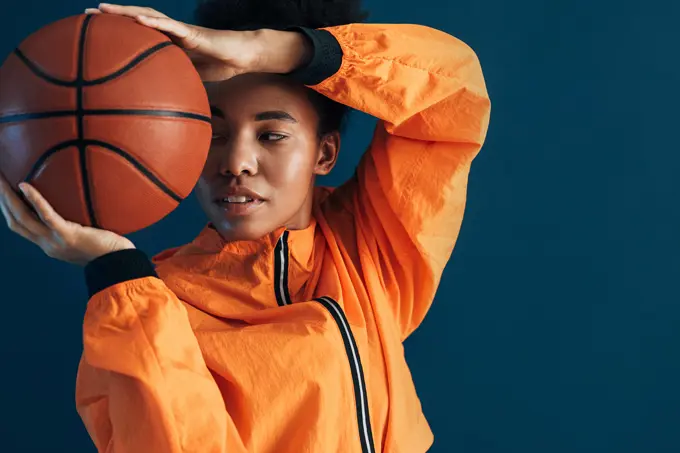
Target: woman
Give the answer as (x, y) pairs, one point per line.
(280, 327)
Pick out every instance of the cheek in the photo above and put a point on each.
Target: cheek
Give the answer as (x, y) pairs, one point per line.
(202, 192)
(208, 175)
(291, 171)
(212, 164)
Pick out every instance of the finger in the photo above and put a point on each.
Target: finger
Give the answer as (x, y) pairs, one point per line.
(8, 197)
(4, 186)
(45, 211)
(212, 74)
(211, 69)
(130, 11)
(186, 33)
(24, 212)
(92, 11)
(14, 224)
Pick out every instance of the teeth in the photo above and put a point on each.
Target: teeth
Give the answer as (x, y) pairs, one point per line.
(238, 199)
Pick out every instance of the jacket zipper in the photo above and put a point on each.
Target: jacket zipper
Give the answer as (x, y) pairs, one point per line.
(281, 261)
(361, 398)
(281, 271)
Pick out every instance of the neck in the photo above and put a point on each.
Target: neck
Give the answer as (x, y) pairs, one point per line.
(303, 216)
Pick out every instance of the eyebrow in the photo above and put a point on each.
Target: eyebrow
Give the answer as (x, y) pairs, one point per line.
(275, 115)
(262, 116)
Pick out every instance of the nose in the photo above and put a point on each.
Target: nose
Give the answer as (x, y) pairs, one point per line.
(238, 158)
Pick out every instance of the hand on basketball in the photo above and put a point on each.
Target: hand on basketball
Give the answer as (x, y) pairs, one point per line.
(222, 54)
(58, 238)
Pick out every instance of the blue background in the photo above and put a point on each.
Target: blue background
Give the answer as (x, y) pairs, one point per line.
(557, 325)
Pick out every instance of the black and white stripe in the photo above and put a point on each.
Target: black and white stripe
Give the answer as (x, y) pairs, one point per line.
(281, 264)
(281, 271)
(363, 415)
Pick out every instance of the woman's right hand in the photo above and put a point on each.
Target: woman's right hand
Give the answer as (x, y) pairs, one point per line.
(222, 54)
(57, 237)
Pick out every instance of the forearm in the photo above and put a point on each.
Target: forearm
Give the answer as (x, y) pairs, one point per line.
(396, 73)
(424, 83)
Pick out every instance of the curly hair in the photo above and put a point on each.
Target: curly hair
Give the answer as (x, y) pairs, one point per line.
(243, 15)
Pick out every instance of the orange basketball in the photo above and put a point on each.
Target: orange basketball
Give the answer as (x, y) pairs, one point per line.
(106, 118)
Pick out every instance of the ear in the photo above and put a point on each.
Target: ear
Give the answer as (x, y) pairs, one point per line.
(329, 147)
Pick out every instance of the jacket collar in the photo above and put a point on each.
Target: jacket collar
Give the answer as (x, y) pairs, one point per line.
(202, 254)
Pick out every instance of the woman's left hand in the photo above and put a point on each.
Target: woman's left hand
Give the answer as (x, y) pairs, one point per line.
(222, 54)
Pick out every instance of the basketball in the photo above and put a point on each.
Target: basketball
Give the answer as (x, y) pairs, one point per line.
(107, 118)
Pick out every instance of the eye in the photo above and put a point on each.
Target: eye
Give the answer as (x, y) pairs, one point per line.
(272, 137)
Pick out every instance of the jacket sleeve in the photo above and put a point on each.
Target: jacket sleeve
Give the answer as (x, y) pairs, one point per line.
(408, 195)
(142, 383)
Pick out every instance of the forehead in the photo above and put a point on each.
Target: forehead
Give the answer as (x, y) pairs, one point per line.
(248, 94)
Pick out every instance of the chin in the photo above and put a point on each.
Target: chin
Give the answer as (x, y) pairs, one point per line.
(242, 231)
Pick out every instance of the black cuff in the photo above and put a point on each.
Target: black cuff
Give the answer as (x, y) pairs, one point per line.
(326, 60)
(117, 267)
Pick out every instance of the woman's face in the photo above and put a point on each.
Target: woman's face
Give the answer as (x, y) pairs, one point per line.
(264, 156)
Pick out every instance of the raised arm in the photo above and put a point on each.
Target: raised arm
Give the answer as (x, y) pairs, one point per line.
(409, 192)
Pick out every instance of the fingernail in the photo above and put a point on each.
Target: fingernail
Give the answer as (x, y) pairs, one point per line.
(90, 10)
(22, 187)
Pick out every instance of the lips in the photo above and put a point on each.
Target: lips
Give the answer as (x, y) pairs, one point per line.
(238, 194)
(239, 201)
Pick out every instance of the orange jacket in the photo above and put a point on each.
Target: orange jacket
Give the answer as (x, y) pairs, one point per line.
(293, 343)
